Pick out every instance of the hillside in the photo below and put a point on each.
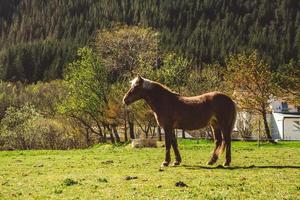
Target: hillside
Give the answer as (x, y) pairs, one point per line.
(38, 37)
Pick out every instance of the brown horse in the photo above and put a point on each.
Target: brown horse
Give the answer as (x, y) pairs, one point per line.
(173, 111)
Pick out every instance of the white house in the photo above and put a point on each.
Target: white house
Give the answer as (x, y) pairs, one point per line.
(284, 107)
(285, 121)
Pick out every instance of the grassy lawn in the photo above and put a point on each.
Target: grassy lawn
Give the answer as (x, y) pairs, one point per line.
(265, 172)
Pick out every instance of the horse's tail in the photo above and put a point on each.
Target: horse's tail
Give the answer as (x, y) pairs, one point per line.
(229, 130)
(221, 148)
(232, 123)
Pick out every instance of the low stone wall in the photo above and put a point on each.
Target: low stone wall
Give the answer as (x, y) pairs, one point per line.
(143, 142)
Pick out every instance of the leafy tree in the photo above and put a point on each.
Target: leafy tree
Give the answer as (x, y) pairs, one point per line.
(86, 79)
(287, 77)
(206, 80)
(174, 71)
(249, 80)
(124, 48)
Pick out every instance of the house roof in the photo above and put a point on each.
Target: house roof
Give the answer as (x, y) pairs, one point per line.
(290, 115)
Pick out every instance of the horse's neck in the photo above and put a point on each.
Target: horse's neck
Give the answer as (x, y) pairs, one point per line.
(158, 98)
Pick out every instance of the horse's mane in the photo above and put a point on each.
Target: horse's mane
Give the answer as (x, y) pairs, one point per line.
(163, 87)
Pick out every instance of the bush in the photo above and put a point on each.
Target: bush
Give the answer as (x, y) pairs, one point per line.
(18, 128)
(25, 128)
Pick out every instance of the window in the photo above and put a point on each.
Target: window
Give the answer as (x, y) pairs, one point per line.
(284, 106)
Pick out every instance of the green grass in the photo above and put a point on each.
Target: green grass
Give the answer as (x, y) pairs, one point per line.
(265, 172)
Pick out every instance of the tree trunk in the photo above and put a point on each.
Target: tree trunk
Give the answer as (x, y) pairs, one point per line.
(104, 137)
(125, 131)
(112, 139)
(87, 137)
(114, 128)
(101, 139)
(105, 129)
(266, 125)
(131, 130)
(147, 129)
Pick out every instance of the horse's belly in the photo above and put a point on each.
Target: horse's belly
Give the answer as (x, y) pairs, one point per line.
(191, 124)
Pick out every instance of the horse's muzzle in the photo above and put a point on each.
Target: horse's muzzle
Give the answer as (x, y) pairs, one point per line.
(125, 101)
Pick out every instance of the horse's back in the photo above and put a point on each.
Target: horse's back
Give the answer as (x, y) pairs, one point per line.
(214, 99)
(197, 111)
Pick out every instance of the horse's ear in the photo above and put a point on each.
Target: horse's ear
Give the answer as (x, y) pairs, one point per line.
(140, 79)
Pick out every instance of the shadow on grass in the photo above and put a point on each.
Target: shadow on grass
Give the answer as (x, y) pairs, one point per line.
(199, 167)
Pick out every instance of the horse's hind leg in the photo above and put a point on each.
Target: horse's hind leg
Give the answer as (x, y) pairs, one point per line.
(227, 140)
(218, 144)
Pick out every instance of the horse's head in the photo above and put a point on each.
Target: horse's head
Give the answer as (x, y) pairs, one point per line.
(136, 91)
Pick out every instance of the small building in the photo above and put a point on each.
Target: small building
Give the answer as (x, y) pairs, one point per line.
(285, 121)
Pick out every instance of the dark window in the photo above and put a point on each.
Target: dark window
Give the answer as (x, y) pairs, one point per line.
(284, 106)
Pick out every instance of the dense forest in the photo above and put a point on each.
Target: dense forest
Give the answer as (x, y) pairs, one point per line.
(39, 37)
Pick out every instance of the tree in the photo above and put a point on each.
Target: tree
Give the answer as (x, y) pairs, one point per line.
(86, 79)
(287, 77)
(174, 71)
(124, 48)
(208, 79)
(249, 80)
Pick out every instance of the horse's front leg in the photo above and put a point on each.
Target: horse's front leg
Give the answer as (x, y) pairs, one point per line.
(175, 147)
(168, 141)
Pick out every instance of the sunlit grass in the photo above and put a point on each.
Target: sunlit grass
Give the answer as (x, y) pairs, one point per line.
(264, 172)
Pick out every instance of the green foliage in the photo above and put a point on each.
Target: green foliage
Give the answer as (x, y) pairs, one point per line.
(86, 79)
(206, 80)
(19, 125)
(203, 31)
(9, 96)
(36, 61)
(174, 71)
(44, 96)
(249, 80)
(124, 48)
(287, 77)
(88, 91)
(29, 118)
(25, 128)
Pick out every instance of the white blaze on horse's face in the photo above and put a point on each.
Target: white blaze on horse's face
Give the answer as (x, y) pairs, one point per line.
(138, 85)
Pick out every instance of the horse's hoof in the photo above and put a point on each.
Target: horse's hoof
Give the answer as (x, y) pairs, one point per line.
(211, 162)
(176, 163)
(226, 164)
(164, 164)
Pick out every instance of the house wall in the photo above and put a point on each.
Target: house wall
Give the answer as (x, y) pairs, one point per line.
(285, 126)
(277, 107)
(291, 128)
(276, 125)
